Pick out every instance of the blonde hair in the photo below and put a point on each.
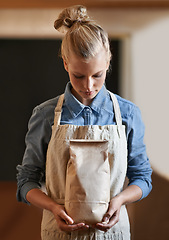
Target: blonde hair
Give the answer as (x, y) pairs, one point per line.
(83, 36)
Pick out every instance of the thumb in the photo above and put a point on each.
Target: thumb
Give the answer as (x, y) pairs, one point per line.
(106, 218)
(66, 218)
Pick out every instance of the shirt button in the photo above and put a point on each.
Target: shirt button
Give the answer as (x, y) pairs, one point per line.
(88, 110)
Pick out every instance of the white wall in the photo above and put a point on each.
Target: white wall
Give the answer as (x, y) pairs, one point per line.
(145, 73)
(150, 88)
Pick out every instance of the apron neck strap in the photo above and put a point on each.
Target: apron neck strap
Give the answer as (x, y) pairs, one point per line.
(116, 109)
(117, 112)
(58, 110)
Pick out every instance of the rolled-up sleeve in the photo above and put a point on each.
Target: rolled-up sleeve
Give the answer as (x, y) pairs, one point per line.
(139, 170)
(32, 170)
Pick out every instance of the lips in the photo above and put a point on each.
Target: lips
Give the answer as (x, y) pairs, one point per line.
(88, 93)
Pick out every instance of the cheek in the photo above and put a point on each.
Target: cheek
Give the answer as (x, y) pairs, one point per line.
(71, 79)
(101, 82)
(75, 83)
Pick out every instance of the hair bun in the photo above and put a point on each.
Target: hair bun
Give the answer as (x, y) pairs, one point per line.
(69, 16)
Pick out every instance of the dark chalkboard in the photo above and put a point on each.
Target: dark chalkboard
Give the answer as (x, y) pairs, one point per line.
(30, 73)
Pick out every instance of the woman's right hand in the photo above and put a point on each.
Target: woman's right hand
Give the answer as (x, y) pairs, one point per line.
(64, 222)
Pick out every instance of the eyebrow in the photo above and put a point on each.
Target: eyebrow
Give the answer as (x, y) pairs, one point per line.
(83, 74)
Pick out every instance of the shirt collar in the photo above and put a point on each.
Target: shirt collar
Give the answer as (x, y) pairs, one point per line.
(99, 102)
(76, 107)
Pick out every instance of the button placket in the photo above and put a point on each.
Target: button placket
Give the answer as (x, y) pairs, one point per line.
(87, 115)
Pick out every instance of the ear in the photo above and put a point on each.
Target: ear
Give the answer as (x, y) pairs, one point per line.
(108, 65)
(65, 64)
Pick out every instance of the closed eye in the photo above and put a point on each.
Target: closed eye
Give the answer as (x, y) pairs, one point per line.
(97, 76)
(79, 77)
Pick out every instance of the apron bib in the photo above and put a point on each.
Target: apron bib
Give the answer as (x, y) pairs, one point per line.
(56, 167)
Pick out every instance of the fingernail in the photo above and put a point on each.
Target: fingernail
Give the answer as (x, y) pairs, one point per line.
(69, 222)
(106, 220)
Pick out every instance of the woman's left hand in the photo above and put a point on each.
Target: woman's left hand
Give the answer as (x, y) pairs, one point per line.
(131, 194)
(112, 215)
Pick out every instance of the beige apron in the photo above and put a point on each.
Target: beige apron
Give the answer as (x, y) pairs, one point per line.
(56, 165)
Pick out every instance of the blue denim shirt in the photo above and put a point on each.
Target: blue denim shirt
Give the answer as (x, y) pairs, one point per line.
(100, 112)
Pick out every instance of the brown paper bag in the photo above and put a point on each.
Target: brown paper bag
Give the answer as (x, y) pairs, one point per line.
(87, 181)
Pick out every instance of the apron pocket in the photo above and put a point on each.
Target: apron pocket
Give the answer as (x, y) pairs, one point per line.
(87, 192)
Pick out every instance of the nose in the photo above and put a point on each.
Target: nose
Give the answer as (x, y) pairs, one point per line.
(89, 84)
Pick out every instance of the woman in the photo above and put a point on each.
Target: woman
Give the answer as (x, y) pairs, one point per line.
(86, 110)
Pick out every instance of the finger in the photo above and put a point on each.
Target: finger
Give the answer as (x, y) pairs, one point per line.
(66, 218)
(106, 218)
(113, 220)
(103, 226)
(79, 226)
(74, 227)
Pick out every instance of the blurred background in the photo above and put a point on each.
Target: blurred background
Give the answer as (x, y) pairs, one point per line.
(31, 72)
